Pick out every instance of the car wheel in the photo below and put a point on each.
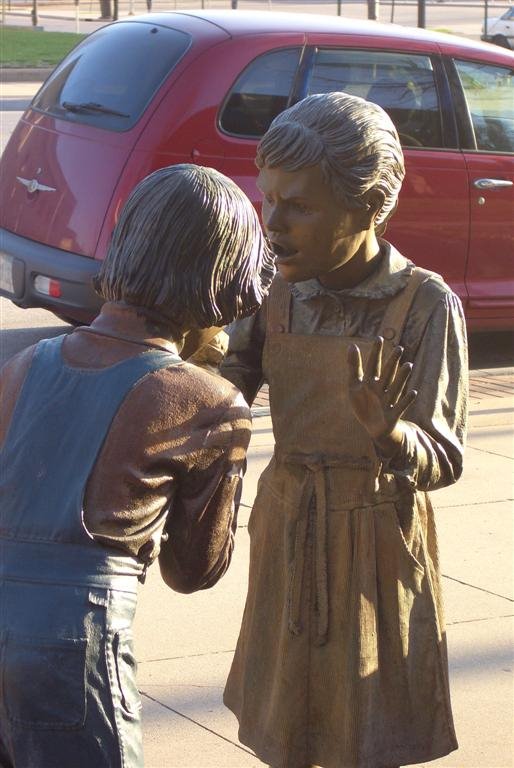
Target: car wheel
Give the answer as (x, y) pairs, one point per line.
(501, 40)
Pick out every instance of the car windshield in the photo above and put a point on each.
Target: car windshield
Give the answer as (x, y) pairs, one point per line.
(108, 80)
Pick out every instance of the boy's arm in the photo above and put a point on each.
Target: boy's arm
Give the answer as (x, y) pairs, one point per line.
(243, 362)
(202, 522)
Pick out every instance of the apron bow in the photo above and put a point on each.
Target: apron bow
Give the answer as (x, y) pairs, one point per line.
(315, 482)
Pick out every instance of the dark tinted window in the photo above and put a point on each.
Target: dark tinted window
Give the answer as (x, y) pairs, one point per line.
(489, 92)
(403, 84)
(108, 80)
(260, 93)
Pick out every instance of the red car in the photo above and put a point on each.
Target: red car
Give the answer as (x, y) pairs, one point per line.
(180, 87)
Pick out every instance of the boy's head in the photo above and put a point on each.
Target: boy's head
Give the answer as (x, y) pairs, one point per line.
(188, 245)
(353, 140)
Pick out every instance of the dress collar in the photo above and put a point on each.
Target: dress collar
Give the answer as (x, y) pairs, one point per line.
(391, 275)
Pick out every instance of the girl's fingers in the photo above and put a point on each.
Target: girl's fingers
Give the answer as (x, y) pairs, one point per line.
(404, 402)
(398, 384)
(391, 367)
(374, 364)
(355, 365)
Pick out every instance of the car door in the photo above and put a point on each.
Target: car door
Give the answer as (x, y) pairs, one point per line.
(488, 90)
(431, 226)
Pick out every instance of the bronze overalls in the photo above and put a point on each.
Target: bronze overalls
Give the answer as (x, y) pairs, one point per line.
(341, 661)
(68, 693)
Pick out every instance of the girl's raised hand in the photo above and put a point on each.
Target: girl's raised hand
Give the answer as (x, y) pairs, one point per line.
(377, 394)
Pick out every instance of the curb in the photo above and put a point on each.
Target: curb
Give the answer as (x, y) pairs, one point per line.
(24, 74)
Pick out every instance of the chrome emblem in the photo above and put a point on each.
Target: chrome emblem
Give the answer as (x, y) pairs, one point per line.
(33, 185)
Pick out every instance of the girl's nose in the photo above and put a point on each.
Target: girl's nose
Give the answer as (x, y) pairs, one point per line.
(273, 219)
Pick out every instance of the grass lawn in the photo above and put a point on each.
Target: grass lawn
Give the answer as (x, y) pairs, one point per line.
(21, 47)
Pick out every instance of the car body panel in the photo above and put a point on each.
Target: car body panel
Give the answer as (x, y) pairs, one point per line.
(439, 223)
(490, 280)
(46, 149)
(81, 162)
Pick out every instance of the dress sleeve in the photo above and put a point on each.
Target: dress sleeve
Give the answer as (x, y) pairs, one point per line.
(243, 362)
(199, 534)
(434, 426)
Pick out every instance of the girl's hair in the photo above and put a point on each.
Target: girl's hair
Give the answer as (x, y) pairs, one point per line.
(353, 140)
(188, 245)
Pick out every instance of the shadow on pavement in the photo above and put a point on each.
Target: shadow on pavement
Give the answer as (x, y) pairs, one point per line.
(13, 340)
(491, 350)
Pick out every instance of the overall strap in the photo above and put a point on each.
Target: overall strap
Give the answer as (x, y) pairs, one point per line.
(396, 313)
(59, 424)
(279, 306)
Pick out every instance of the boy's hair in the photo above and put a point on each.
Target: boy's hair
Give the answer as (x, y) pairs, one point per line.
(188, 245)
(353, 140)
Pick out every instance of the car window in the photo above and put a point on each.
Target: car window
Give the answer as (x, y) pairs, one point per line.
(108, 80)
(508, 15)
(403, 84)
(489, 92)
(260, 93)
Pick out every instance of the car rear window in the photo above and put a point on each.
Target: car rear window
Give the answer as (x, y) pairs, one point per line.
(260, 93)
(402, 84)
(109, 79)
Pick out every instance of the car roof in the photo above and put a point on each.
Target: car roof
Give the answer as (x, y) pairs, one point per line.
(237, 23)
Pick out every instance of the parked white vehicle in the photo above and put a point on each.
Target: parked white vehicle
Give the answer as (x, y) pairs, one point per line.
(500, 30)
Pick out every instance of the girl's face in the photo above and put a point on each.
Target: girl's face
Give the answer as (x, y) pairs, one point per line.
(313, 234)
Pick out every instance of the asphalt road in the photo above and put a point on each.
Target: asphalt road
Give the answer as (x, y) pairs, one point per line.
(459, 18)
(10, 113)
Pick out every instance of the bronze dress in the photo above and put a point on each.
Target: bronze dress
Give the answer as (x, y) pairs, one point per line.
(341, 659)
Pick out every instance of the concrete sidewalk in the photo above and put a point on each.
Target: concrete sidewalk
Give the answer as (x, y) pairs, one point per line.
(184, 644)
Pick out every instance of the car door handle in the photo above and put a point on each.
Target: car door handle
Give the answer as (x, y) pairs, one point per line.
(492, 183)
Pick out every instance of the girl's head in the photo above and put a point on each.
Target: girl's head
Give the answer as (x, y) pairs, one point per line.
(188, 245)
(353, 141)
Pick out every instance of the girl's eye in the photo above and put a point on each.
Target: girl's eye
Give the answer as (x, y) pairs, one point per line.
(300, 207)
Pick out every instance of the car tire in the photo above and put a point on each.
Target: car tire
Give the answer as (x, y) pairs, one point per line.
(501, 40)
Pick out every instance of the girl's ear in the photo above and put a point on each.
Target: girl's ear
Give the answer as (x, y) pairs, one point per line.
(373, 202)
(381, 228)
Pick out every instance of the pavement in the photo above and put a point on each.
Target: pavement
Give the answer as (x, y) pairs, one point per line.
(185, 643)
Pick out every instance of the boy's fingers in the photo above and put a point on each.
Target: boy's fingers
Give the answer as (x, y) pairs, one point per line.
(355, 364)
(374, 364)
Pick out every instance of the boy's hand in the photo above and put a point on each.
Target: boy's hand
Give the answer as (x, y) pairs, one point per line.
(376, 394)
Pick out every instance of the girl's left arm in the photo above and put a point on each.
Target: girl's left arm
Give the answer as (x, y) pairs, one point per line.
(434, 424)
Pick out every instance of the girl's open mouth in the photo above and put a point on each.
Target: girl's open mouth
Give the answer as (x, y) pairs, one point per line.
(282, 252)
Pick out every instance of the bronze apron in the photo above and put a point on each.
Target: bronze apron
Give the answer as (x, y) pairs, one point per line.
(341, 660)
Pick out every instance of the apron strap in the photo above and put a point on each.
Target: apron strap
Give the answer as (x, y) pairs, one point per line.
(279, 306)
(396, 313)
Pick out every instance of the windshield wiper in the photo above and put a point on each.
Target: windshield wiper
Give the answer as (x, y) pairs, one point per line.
(91, 106)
